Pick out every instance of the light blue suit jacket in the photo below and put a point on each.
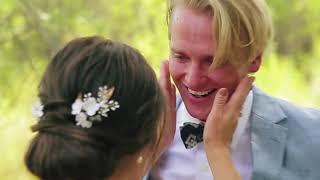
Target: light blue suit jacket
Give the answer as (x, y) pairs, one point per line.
(285, 139)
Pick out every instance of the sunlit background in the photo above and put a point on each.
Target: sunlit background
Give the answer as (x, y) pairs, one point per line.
(31, 31)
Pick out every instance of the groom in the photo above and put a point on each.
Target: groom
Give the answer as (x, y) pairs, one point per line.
(214, 44)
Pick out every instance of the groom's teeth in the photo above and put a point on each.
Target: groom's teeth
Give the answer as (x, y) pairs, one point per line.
(199, 93)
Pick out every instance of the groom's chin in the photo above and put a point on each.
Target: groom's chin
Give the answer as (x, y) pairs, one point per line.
(198, 113)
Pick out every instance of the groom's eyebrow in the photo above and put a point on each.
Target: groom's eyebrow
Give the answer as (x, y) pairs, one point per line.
(208, 56)
(175, 50)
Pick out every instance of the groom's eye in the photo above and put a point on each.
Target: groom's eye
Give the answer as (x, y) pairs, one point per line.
(178, 57)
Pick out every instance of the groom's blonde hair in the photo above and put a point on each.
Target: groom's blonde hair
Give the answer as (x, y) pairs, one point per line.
(243, 28)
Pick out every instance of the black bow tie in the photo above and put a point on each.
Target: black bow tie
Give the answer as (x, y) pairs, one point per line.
(191, 134)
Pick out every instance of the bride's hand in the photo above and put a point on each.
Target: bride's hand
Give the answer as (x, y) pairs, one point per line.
(169, 92)
(222, 120)
(219, 128)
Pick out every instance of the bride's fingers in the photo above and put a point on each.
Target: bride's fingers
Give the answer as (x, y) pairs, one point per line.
(173, 96)
(239, 96)
(164, 80)
(167, 87)
(219, 102)
(169, 92)
(215, 116)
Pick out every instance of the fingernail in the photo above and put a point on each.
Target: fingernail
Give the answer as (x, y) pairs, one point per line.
(223, 92)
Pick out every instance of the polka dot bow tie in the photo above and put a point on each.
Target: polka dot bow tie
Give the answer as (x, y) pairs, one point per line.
(191, 134)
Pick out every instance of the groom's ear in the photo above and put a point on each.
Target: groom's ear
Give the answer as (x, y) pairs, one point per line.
(254, 66)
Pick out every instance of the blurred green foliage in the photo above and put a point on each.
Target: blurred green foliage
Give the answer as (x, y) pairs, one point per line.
(33, 30)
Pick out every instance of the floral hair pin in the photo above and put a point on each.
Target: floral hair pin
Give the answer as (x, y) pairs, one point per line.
(37, 110)
(87, 108)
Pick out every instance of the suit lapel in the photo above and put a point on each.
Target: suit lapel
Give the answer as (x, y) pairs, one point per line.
(268, 137)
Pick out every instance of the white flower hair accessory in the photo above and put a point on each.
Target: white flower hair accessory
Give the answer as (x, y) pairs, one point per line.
(89, 109)
(37, 110)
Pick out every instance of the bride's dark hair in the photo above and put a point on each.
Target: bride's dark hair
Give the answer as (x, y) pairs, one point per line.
(62, 150)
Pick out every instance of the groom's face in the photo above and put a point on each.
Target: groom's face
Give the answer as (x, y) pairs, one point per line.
(192, 48)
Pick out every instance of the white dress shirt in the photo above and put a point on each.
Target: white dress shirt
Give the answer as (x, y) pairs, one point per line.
(191, 164)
